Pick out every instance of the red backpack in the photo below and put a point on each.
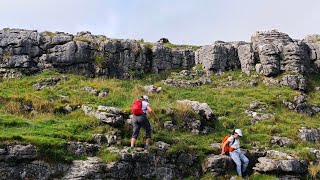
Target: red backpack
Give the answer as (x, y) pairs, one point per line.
(227, 148)
(136, 108)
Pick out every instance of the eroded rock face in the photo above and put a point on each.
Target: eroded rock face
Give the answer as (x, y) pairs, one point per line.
(246, 57)
(28, 52)
(19, 162)
(158, 165)
(18, 152)
(220, 56)
(269, 53)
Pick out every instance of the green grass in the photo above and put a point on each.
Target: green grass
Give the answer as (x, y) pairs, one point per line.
(50, 34)
(175, 46)
(262, 177)
(51, 131)
(148, 44)
(108, 156)
(83, 39)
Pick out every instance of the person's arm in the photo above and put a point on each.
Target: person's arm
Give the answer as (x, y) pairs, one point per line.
(151, 111)
(223, 147)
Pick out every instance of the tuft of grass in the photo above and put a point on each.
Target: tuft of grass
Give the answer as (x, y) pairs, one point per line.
(5, 29)
(102, 38)
(314, 170)
(108, 156)
(148, 44)
(49, 33)
(13, 107)
(305, 154)
(83, 39)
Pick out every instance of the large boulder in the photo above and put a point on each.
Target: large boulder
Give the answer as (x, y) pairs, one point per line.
(203, 109)
(310, 135)
(281, 141)
(218, 165)
(279, 162)
(106, 114)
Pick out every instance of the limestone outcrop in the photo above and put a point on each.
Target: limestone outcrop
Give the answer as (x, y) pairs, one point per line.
(29, 51)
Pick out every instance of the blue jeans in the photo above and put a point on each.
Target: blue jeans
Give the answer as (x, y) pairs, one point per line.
(240, 159)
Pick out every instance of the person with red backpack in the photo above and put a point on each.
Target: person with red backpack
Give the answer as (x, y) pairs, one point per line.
(231, 146)
(139, 110)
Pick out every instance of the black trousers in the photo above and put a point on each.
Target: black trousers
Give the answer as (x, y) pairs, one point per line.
(138, 122)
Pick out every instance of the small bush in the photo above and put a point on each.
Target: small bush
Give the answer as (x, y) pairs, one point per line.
(101, 61)
(6, 56)
(5, 29)
(13, 107)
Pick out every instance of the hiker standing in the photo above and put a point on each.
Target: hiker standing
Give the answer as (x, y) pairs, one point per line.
(233, 145)
(139, 110)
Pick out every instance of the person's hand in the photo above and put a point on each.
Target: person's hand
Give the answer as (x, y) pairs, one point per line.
(223, 153)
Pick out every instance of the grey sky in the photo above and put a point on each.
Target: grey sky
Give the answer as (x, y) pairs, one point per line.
(195, 22)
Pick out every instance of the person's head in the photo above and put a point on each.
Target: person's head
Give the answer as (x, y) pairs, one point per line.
(145, 98)
(237, 133)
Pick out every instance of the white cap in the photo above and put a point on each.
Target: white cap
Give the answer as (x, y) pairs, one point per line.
(145, 97)
(238, 131)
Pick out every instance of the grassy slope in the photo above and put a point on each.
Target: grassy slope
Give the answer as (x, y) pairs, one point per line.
(47, 129)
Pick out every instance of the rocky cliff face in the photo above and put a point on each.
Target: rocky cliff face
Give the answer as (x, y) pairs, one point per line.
(269, 53)
(28, 52)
